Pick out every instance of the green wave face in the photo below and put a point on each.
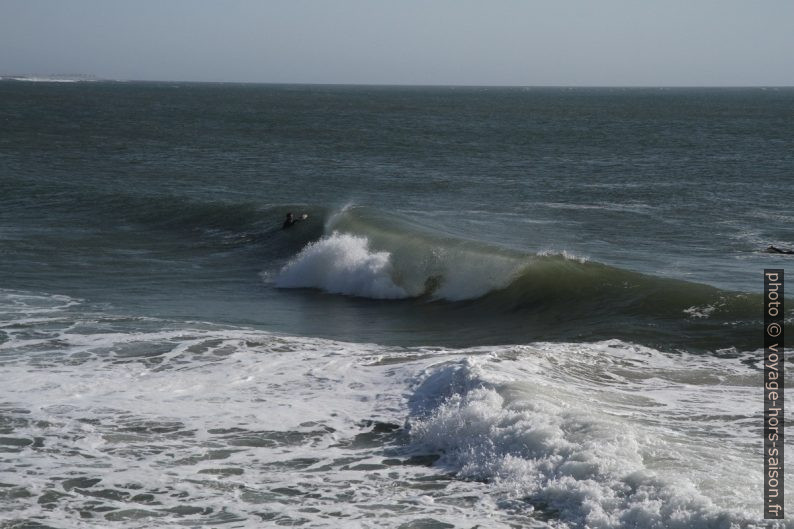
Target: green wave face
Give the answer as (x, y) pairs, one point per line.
(508, 295)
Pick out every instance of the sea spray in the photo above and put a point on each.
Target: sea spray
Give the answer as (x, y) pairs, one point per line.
(342, 264)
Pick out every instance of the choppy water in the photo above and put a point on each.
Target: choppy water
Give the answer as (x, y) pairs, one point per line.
(507, 308)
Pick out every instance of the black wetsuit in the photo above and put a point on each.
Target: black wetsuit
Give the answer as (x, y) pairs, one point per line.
(772, 249)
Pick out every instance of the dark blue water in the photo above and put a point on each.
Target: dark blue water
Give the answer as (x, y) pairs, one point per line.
(506, 307)
(167, 199)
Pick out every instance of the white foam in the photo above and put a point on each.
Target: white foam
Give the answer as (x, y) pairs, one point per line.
(607, 436)
(568, 256)
(342, 264)
(44, 80)
(696, 312)
(603, 435)
(88, 411)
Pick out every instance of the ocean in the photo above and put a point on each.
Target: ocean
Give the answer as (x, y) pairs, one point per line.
(506, 308)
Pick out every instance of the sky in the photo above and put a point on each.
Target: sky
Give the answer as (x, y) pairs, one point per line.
(414, 42)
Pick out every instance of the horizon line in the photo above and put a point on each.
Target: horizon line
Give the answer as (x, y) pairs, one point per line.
(91, 78)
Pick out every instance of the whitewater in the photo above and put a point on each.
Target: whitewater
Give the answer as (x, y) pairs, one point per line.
(197, 424)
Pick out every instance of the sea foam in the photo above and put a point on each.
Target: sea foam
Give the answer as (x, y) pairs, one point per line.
(342, 264)
(345, 263)
(159, 423)
(565, 449)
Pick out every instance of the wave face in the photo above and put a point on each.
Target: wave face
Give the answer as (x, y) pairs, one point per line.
(431, 263)
(443, 267)
(447, 287)
(364, 253)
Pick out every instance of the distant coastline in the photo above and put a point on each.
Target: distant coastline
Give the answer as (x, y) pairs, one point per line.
(76, 78)
(52, 78)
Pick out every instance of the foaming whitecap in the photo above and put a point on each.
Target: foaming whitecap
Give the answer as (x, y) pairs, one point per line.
(342, 264)
(598, 436)
(117, 422)
(568, 256)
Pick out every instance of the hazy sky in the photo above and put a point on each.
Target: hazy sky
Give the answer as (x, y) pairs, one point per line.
(487, 42)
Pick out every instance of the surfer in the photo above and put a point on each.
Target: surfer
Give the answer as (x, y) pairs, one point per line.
(773, 249)
(291, 220)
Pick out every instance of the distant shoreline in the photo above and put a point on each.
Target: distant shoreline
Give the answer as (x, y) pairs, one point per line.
(65, 78)
(79, 78)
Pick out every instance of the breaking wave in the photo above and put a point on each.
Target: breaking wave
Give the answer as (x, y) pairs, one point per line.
(547, 428)
(342, 264)
(364, 254)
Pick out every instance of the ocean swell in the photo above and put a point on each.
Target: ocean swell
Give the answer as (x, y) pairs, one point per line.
(366, 254)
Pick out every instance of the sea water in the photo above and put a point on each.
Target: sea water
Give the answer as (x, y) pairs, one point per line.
(508, 307)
